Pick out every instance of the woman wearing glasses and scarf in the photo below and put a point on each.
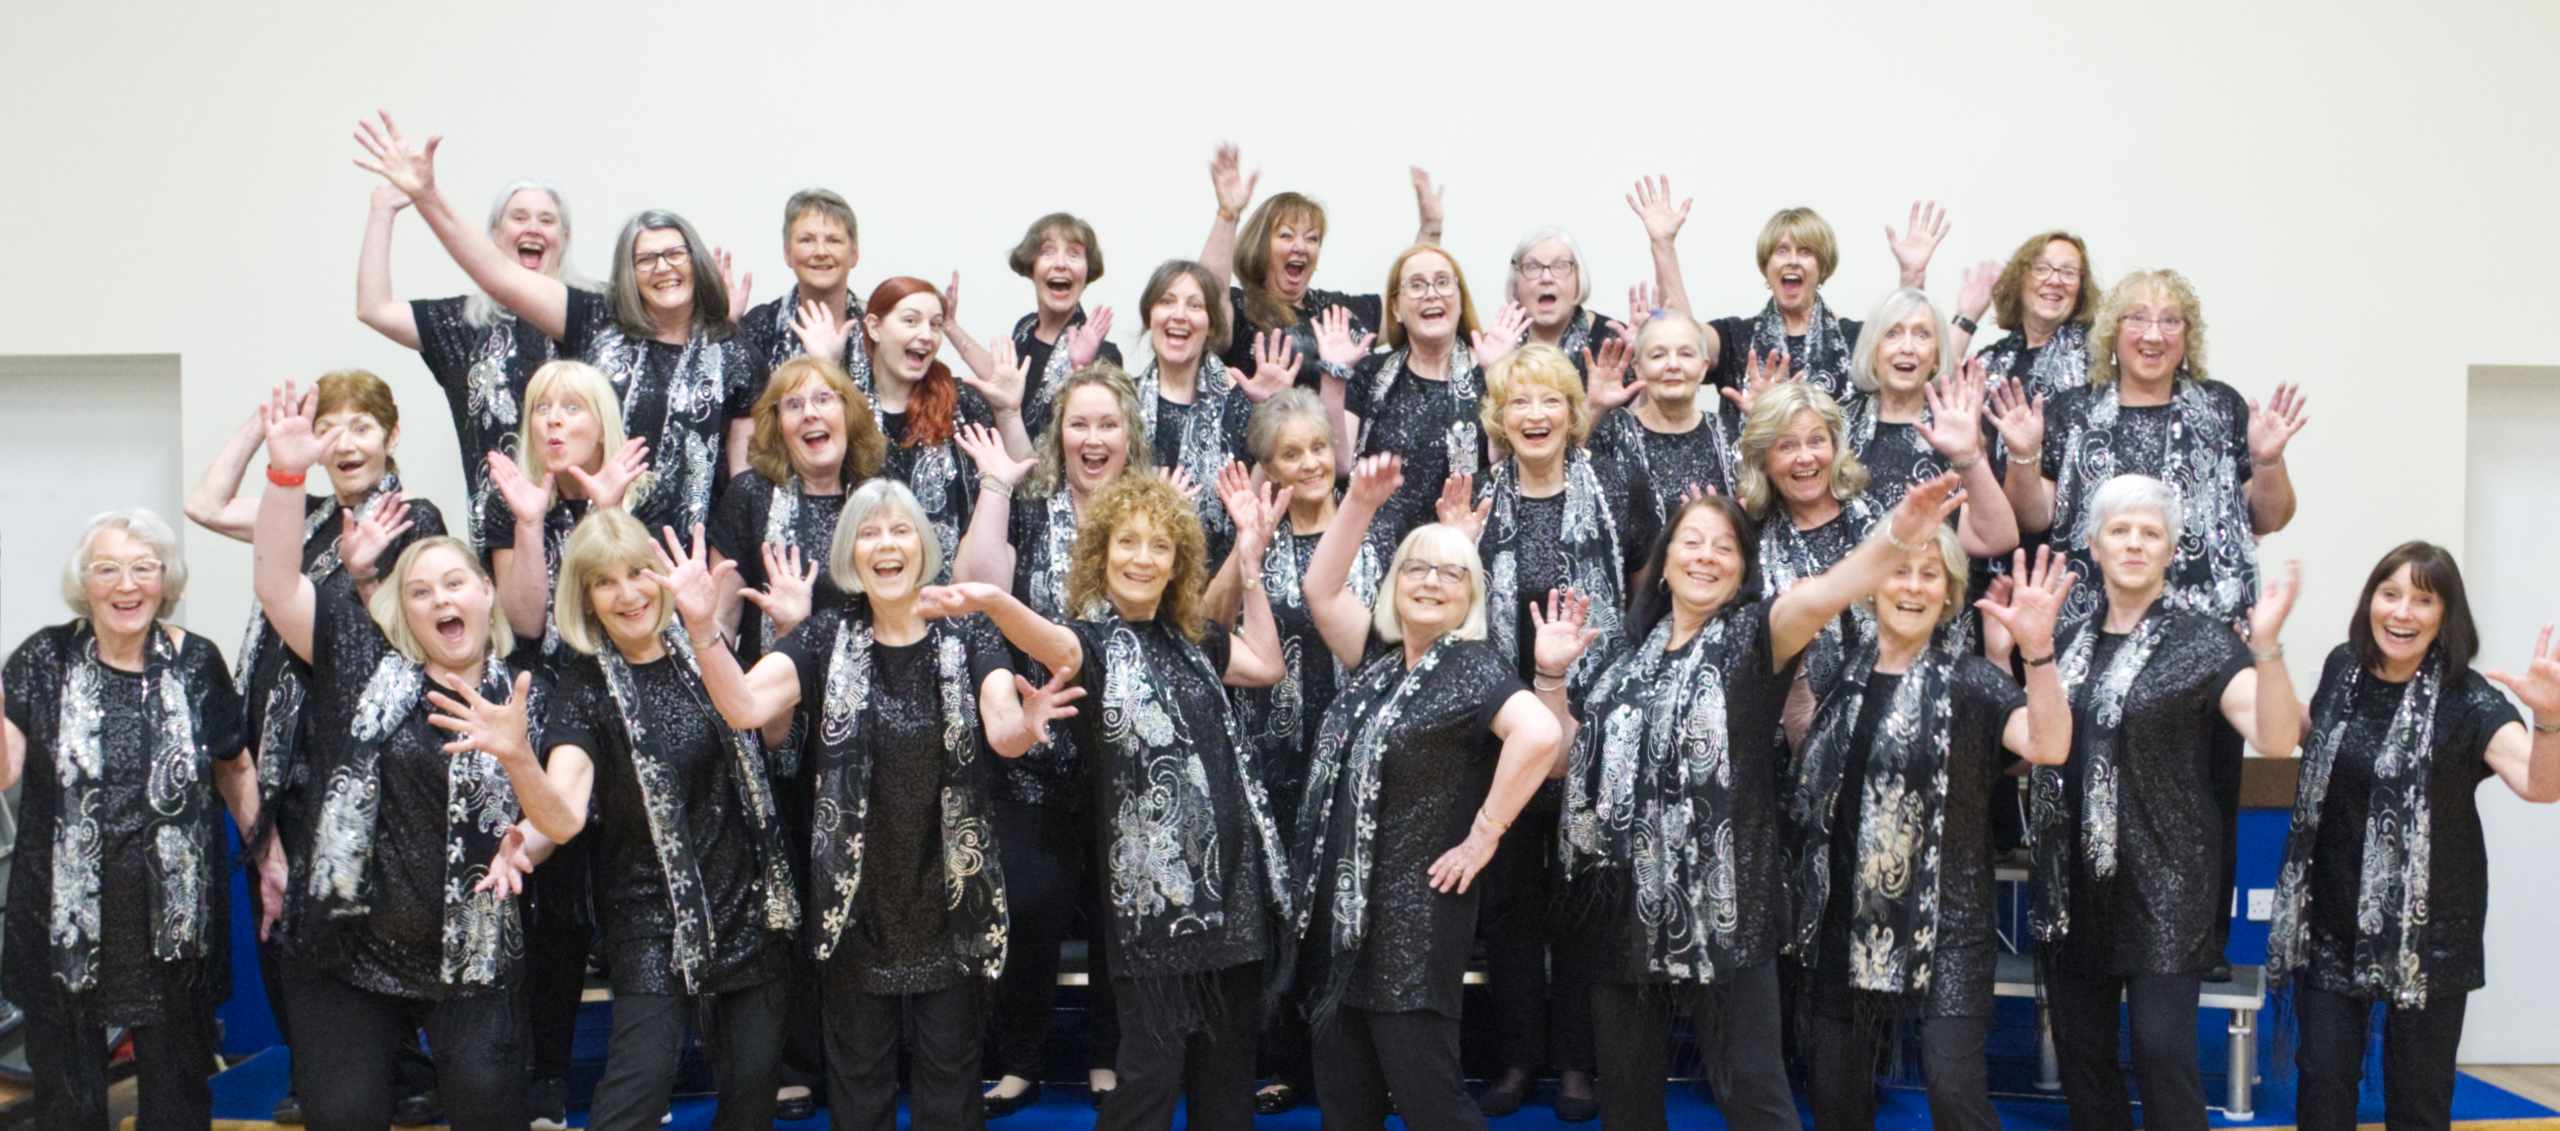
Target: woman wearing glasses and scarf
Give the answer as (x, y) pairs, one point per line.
(127, 733)
(2045, 296)
(2384, 886)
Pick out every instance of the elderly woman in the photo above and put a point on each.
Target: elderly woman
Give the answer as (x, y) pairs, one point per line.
(1893, 890)
(821, 243)
(2384, 886)
(2044, 296)
(907, 907)
(1198, 888)
(576, 458)
(2133, 834)
(663, 332)
(2149, 409)
(815, 441)
(1676, 440)
(479, 352)
(1423, 399)
(1920, 416)
(693, 886)
(1274, 257)
(1390, 844)
(127, 731)
(1547, 281)
(1061, 256)
(1670, 836)
(405, 821)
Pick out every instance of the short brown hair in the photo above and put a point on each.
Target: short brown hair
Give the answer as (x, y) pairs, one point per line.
(822, 202)
(2432, 568)
(1211, 294)
(360, 390)
(1069, 228)
(2009, 292)
(1809, 231)
(866, 448)
(1150, 497)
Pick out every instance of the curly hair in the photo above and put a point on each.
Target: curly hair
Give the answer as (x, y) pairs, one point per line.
(866, 448)
(1770, 415)
(1151, 498)
(1536, 364)
(2009, 291)
(2134, 287)
(1051, 473)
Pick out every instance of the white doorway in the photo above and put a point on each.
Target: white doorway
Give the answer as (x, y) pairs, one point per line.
(78, 435)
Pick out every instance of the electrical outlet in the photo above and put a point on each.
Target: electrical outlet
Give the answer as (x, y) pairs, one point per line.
(2262, 904)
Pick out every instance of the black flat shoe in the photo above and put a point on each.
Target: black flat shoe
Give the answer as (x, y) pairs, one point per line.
(1577, 1109)
(417, 1109)
(1275, 1099)
(288, 1111)
(805, 1107)
(1001, 1106)
(1504, 1097)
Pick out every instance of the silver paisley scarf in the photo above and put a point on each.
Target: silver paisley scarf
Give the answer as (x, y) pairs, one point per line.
(2216, 533)
(1825, 360)
(1591, 549)
(1893, 908)
(1465, 438)
(2099, 698)
(695, 386)
(175, 791)
(1204, 449)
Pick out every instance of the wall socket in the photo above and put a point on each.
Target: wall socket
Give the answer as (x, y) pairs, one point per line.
(2262, 904)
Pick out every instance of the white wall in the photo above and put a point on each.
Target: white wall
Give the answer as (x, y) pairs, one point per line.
(79, 435)
(2360, 191)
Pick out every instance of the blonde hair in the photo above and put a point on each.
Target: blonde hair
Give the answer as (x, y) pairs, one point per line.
(151, 530)
(1151, 498)
(588, 384)
(1952, 560)
(1392, 333)
(1051, 474)
(866, 448)
(1806, 229)
(1443, 539)
(1535, 364)
(1771, 413)
(1291, 406)
(858, 509)
(385, 606)
(2129, 290)
(608, 539)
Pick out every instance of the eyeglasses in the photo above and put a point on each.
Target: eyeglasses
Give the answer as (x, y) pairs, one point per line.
(648, 261)
(818, 401)
(1419, 287)
(2044, 271)
(1534, 269)
(142, 570)
(2169, 325)
(1416, 570)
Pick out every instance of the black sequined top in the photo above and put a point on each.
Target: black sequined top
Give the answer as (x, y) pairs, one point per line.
(483, 371)
(1411, 420)
(1673, 462)
(678, 399)
(1368, 312)
(737, 530)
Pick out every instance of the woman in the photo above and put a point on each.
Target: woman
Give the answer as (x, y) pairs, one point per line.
(2149, 409)
(692, 884)
(2384, 887)
(1920, 415)
(363, 520)
(663, 334)
(571, 423)
(821, 243)
(479, 352)
(1192, 407)
(1274, 260)
(1423, 398)
(1671, 435)
(2044, 296)
(1893, 890)
(1671, 843)
(1096, 434)
(1061, 256)
(2133, 835)
(390, 919)
(1198, 885)
(127, 731)
(815, 441)
(1546, 267)
(1422, 763)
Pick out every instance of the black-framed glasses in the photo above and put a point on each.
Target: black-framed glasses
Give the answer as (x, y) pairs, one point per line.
(647, 261)
(1540, 269)
(1416, 570)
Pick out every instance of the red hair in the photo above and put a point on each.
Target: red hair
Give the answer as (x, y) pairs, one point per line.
(930, 407)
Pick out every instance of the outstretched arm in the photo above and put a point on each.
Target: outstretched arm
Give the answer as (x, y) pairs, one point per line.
(2260, 703)
(215, 503)
(291, 604)
(1651, 202)
(1341, 617)
(1235, 190)
(1052, 645)
(532, 295)
(1801, 611)
(2529, 762)
(2271, 427)
(2025, 609)
(375, 305)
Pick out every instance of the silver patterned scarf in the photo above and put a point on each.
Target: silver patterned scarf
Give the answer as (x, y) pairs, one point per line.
(939, 481)
(279, 743)
(1041, 398)
(2061, 363)
(695, 389)
(662, 799)
(1203, 447)
(1593, 557)
(175, 790)
(1894, 882)
(2098, 702)
(2391, 897)
(1464, 441)
(1283, 707)
(491, 401)
(2205, 477)
(1825, 360)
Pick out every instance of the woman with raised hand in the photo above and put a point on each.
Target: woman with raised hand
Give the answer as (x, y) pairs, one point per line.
(1198, 887)
(1274, 260)
(1658, 423)
(815, 441)
(1026, 546)
(478, 351)
(821, 243)
(1920, 415)
(1061, 256)
(1893, 885)
(2045, 297)
(1391, 845)
(2133, 835)
(1671, 823)
(2150, 409)
(1192, 407)
(663, 334)
(127, 733)
(1549, 282)
(2384, 888)
(693, 887)
(1423, 399)
(392, 919)
(576, 458)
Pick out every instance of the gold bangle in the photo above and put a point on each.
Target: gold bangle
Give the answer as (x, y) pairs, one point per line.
(1486, 819)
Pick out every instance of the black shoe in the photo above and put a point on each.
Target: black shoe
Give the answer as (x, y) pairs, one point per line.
(1506, 1094)
(288, 1110)
(1275, 1099)
(1577, 1109)
(546, 1100)
(1001, 1106)
(1102, 1096)
(417, 1109)
(804, 1107)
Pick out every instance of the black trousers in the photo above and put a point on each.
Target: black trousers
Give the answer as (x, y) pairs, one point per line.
(1049, 884)
(343, 1067)
(2417, 1060)
(1366, 1058)
(1208, 1068)
(1541, 1013)
(1287, 1048)
(555, 978)
(2163, 1008)
(67, 1051)
(1842, 1063)
(1738, 1034)
(941, 1031)
(745, 1047)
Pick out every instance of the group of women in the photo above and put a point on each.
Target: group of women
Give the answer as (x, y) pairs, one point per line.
(1297, 651)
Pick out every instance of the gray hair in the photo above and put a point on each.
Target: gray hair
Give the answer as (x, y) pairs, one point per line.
(1897, 306)
(710, 293)
(1262, 433)
(145, 525)
(1581, 269)
(1440, 538)
(858, 509)
(2133, 493)
(479, 309)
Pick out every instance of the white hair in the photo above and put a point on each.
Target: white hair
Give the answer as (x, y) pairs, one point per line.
(858, 508)
(1443, 539)
(2133, 493)
(1581, 267)
(146, 526)
(1897, 306)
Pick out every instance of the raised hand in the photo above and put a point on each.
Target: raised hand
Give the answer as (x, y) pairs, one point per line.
(1335, 344)
(607, 486)
(1495, 342)
(1563, 631)
(1918, 241)
(1996, 641)
(951, 303)
(508, 866)
(690, 581)
(364, 536)
(790, 587)
(1760, 373)
(1084, 341)
(820, 332)
(2272, 426)
(1228, 179)
(478, 723)
(1257, 511)
(1975, 296)
(739, 285)
(1606, 382)
(1429, 205)
(2028, 601)
(387, 154)
(527, 500)
(291, 442)
(1234, 479)
(1046, 703)
(1182, 481)
(936, 602)
(2539, 686)
(1651, 202)
(1953, 428)
(985, 447)
(1924, 507)
(2019, 420)
(1641, 303)
(1455, 506)
(388, 198)
(2266, 621)
(1275, 366)
(1374, 480)
(1009, 374)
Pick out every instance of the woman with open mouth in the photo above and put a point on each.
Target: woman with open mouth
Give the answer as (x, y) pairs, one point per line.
(663, 332)
(693, 887)
(1022, 537)
(2133, 839)
(393, 920)
(363, 520)
(1061, 256)
(821, 243)
(1198, 887)
(1421, 764)
(1192, 407)
(127, 732)
(479, 352)
(1422, 399)
(576, 460)
(1893, 794)
(1274, 260)
(2150, 408)
(815, 441)
(1674, 437)
(1547, 281)
(2383, 892)
(2045, 296)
